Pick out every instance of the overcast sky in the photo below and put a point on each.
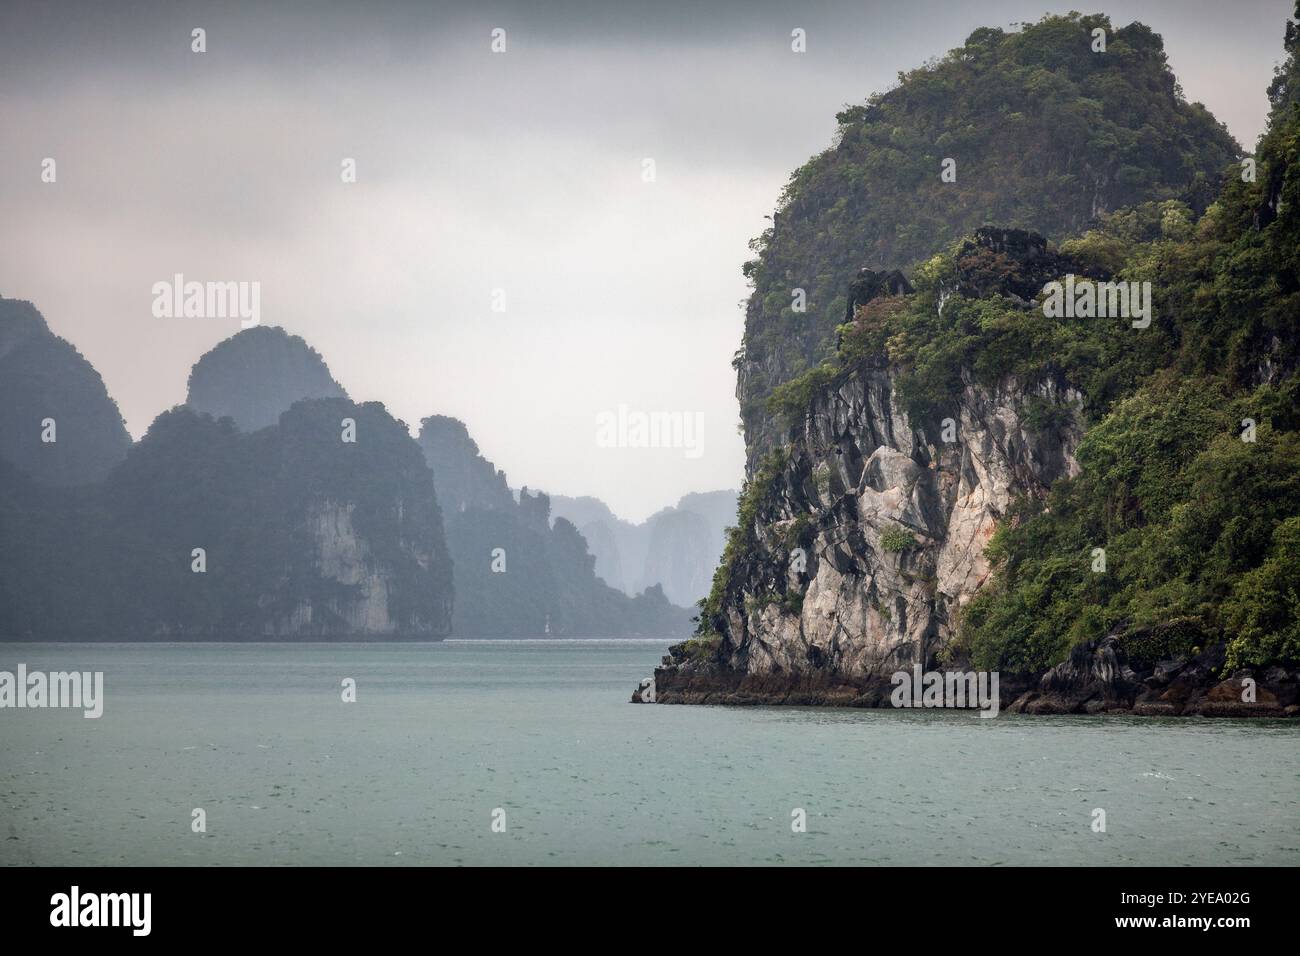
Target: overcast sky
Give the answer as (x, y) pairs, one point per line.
(476, 171)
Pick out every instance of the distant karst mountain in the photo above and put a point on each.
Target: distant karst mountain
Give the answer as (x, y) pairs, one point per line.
(49, 391)
(682, 555)
(272, 506)
(676, 548)
(256, 374)
(206, 532)
(618, 546)
(465, 479)
(517, 575)
(318, 520)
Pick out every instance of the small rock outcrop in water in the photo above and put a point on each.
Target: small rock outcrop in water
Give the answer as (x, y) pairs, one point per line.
(45, 383)
(255, 375)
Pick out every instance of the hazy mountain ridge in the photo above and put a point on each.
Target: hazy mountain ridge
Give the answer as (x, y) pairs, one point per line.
(272, 471)
(301, 535)
(254, 375)
(465, 479)
(517, 573)
(44, 377)
(677, 547)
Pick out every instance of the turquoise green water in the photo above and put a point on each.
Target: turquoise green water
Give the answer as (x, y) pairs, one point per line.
(441, 735)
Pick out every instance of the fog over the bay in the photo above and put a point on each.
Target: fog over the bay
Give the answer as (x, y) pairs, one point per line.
(519, 172)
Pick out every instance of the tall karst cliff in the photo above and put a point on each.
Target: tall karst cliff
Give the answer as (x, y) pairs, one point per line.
(1102, 505)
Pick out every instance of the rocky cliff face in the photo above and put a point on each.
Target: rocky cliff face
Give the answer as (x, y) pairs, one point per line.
(870, 533)
(883, 457)
(363, 552)
(863, 536)
(344, 556)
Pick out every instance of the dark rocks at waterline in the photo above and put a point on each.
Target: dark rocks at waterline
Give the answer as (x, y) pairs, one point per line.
(1097, 678)
(707, 683)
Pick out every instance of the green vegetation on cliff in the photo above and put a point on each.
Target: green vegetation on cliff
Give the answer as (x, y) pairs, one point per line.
(1191, 484)
(1182, 528)
(1046, 135)
(755, 497)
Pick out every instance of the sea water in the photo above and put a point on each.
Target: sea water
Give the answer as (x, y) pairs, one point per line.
(528, 752)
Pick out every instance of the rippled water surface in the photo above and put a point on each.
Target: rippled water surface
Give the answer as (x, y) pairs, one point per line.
(443, 734)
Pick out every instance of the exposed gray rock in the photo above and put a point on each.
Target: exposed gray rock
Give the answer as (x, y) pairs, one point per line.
(860, 476)
(1095, 678)
(872, 537)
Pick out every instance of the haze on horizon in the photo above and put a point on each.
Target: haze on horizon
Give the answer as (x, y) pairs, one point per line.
(476, 171)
